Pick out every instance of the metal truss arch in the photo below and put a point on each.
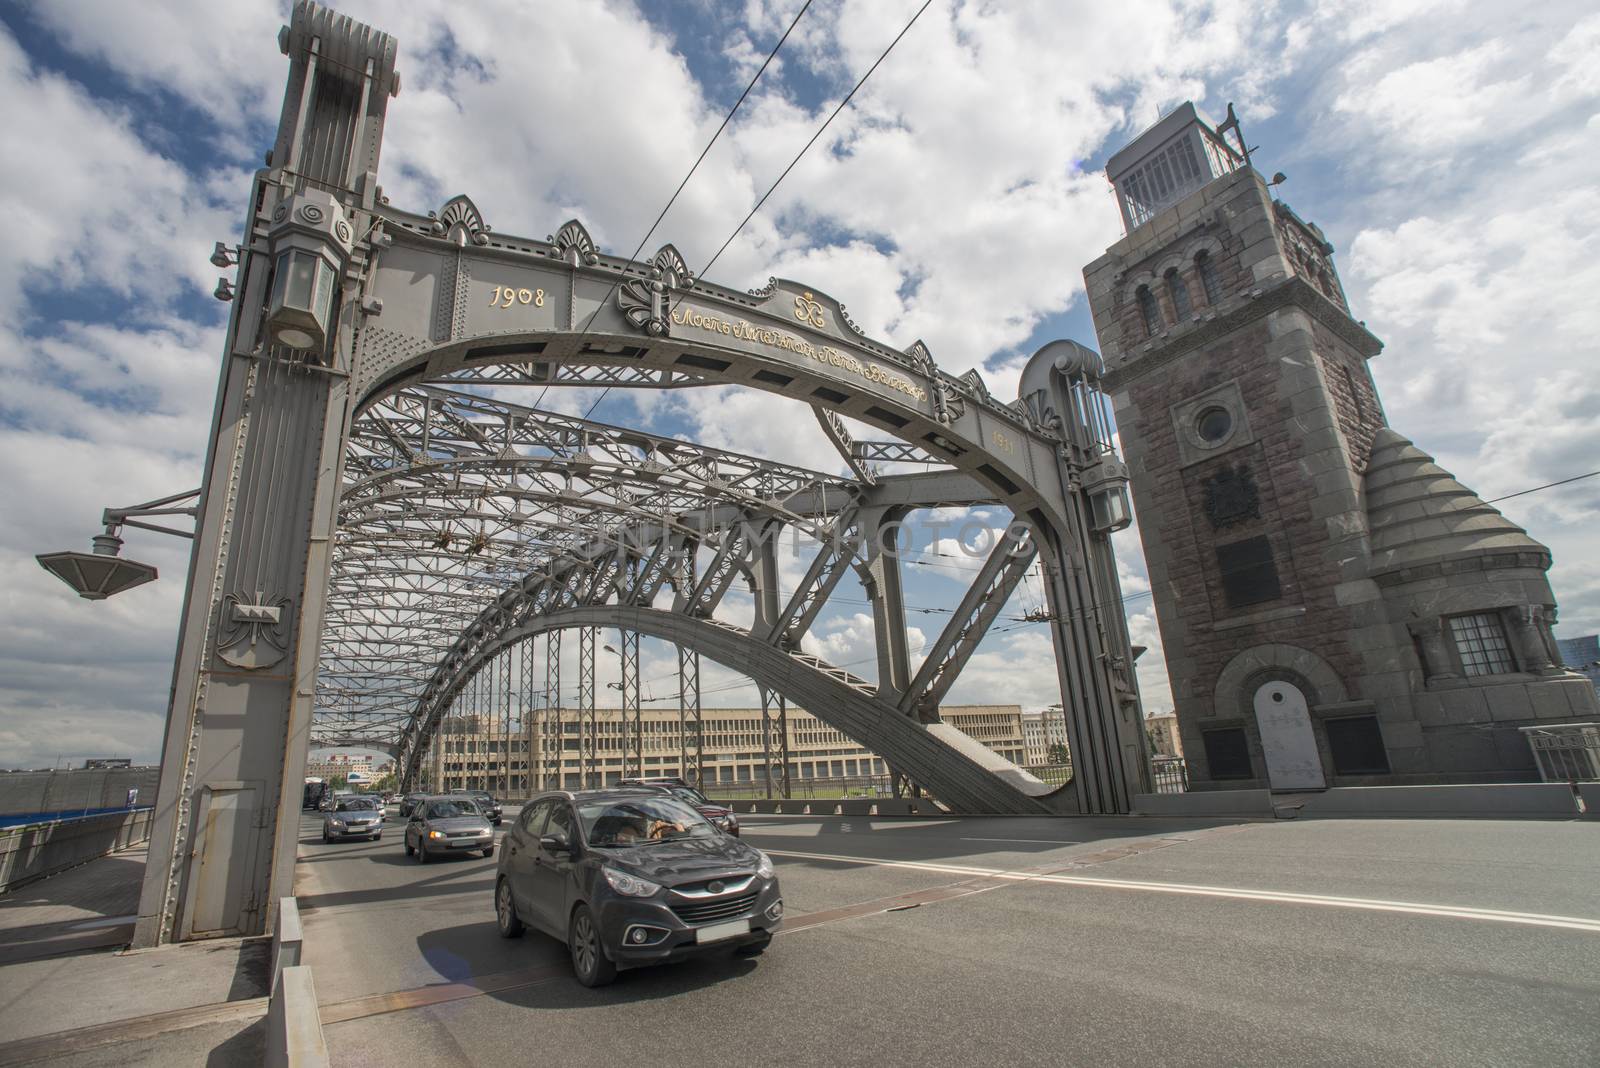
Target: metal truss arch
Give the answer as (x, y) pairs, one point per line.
(965, 776)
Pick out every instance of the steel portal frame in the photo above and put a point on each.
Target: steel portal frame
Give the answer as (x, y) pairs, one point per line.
(365, 543)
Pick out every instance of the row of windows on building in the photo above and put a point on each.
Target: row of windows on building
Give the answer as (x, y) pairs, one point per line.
(1177, 292)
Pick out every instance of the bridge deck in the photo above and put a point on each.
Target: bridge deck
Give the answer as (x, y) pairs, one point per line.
(1024, 941)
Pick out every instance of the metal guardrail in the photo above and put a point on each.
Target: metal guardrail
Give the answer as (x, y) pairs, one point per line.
(38, 850)
(1566, 752)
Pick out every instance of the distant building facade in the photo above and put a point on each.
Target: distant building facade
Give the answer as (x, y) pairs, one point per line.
(1335, 608)
(470, 751)
(1583, 656)
(1044, 737)
(1162, 731)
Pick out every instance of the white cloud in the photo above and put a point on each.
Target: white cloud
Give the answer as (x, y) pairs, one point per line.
(950, 203)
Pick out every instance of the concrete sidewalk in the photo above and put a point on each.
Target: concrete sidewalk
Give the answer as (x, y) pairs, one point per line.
(71, 993)
(88, 907)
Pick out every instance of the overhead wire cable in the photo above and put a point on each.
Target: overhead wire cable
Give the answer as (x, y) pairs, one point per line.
(726, 119)
(737, 230)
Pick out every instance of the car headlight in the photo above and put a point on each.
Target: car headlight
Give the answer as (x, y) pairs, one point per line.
(629, 885)
(730, 822)
(764, 869)
(337, 825)
(435, 834)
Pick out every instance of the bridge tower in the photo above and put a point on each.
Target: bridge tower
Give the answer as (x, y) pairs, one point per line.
(1335, 608)
(222, 846)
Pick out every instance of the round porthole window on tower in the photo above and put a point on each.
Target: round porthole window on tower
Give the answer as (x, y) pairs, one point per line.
(1213, 425)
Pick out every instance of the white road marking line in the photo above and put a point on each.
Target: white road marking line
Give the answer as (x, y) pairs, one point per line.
(1043, 841)
(1457, 912)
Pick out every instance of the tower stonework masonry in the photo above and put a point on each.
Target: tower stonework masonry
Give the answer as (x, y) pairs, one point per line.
(1335, 608)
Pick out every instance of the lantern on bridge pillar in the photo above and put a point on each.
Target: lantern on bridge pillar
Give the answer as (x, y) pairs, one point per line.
(311, 241)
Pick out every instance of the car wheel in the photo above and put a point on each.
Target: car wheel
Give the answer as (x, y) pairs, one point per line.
(505, 911)
(489, 852)
(589, 961)
(325, 838)
(378, 837)
(408, 847)
(422, 852)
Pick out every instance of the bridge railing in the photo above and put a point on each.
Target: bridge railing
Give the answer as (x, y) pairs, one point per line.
(34, 851)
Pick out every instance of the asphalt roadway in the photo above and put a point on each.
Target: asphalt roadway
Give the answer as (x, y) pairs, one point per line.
(1010, 941)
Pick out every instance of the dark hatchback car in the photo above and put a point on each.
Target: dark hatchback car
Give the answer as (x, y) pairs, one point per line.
(409, 802)
(485, 802)
(629, 877)
(440, 825)
(720, 815)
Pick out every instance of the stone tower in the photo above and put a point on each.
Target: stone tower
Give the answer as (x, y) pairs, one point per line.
(1335, 608)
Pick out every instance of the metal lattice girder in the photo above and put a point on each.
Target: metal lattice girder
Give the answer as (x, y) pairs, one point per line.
(691, 737)
(453, 497)
(890, 452)
(734, 552)
(1007, 562)
(552, 685)
(588, 715)
(836, 432)
(830, 564)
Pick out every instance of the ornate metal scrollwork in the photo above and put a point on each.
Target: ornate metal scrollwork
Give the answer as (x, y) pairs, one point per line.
(644, 303)
(574, 244)
(670, 267)
(460, 220)
(765, 291)
(253, 635)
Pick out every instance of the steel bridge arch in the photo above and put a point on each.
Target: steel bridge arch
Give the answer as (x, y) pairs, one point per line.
(958, 770)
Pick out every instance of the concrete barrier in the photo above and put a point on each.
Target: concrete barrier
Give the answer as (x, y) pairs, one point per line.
(35, 851)
(854, 807)
(1590, 792)
(294, 1026)
(1205, 803)
(894, 806)
(287, 939)
(71, 790)
(1535, 800)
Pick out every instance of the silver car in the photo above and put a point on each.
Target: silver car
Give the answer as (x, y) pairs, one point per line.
(440, 825)
(353, 817)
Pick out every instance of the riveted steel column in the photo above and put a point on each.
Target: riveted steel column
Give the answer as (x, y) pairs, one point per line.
(691, 738)
(227, 813)
(632, 714)
(884, 590)
(588, 715)
(555, 709)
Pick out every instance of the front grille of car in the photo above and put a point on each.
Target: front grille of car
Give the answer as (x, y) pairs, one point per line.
(721, 909)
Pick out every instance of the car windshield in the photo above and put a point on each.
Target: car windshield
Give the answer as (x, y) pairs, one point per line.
(356, 804)
(443, 810)
(689, 794)
(631, 821)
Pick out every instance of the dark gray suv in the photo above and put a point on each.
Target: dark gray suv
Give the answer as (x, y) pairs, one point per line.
(632, 877)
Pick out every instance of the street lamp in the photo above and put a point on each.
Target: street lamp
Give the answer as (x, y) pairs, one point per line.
(311, 242)
(97, 575)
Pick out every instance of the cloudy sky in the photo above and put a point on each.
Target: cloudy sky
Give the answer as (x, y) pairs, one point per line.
(1446, 148)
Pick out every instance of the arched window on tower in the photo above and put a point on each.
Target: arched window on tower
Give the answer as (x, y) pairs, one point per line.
(1148, 309)
(1179, 294)
(1208, 277)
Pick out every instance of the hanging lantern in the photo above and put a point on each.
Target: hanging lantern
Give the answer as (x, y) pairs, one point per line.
(311, 241)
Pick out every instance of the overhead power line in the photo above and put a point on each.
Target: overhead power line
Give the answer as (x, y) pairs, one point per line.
(681, 185)
(792, 163)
